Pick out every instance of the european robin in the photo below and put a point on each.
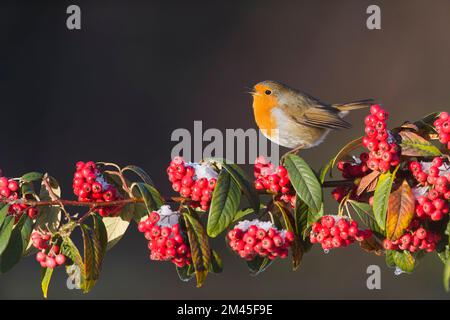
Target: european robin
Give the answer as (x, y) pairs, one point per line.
(296, 120)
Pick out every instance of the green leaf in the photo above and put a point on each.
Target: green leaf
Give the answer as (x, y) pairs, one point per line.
(447, 275)
(313, 215)
(258, 265)
(224, 204)
(381, 197)
(199, 244)
(140, 172)
(95, 242)
(116, 228)
(365, 214)
(242, 213)
(31, 177)
(152, 198)
(5, 231)
(390, 258)
(301, 217)
(404, 260)
(325, 169)
(3, 212)
(69, 249)
(415, 146)
(304, 181)
(100, 239)
(46, 276)
(244, 184)
(88, 260)
(27, 189)
(447, 263)
(17, 244)
(216, 265)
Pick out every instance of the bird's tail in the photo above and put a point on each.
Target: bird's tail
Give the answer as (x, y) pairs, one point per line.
(359, 104)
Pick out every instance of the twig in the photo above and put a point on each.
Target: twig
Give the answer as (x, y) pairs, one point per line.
(338, 183)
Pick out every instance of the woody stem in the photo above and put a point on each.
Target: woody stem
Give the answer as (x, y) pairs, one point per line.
(338, 183)
(72, 203)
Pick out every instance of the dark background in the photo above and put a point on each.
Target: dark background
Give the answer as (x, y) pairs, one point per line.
(138, 70)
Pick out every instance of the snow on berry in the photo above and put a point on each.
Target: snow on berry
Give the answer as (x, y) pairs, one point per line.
(89, 185)
(273, 180)
(383, 149)
(49, 255)
(259, 238)
(166, 241)
(337, 231)
(9, 189)
(194, 181)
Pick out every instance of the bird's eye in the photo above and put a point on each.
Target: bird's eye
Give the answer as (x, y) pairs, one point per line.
(268, 92)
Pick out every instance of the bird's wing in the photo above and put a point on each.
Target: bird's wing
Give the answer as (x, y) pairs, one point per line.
(322, 117)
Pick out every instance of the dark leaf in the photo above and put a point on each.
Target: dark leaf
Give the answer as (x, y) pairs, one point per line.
(216, 265)
(140, 172)
(304, 181)
(244, 184)
(5, 231)
(31, 177)
(199, 244)
(152, 199)
(224, 204)
(16, 246)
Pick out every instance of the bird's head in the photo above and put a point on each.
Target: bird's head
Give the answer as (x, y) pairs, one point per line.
(267, 94)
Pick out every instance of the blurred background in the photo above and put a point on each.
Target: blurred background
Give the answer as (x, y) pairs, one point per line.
(115, 90)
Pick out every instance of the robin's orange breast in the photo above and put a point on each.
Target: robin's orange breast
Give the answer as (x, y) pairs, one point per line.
(262, 108)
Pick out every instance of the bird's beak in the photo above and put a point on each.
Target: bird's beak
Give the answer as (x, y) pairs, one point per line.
(251, 91)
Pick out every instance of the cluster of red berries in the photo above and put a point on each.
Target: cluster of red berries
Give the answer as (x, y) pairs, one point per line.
(415, 238)
(336, 231)
(193, 181)
(49, 256)
(433, 203)
(89, 185)
(165, 239)
(9, 189)
(273, 180)
(351, 170)
(442, 125)
(256, 238)
(384, 151)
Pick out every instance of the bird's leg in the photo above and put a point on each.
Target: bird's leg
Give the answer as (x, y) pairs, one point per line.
(293, 151)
